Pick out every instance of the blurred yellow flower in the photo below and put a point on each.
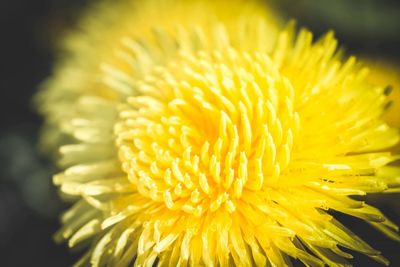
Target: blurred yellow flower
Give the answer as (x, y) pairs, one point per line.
(194, 133)
(387, 74)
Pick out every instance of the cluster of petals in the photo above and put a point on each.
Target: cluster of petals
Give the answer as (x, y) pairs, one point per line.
(202, 133)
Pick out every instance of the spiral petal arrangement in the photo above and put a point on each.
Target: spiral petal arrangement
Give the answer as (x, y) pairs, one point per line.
(203, 136)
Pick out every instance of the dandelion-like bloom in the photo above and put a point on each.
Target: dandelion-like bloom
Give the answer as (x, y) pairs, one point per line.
(216, 143)
(127, 39)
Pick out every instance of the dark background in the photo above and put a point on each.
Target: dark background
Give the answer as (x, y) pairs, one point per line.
(29, 206)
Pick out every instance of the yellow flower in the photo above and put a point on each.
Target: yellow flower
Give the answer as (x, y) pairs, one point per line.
(93, 52)
(387, 74)
(207, 139)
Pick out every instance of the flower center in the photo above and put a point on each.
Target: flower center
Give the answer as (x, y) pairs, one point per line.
(212, 131)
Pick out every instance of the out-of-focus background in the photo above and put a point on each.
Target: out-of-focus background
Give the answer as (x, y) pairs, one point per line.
(29, 205)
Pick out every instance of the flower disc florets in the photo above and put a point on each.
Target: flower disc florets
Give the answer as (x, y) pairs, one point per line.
(212, 142)
(211, 132)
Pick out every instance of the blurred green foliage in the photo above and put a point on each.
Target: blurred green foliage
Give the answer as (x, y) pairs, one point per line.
(368, 25)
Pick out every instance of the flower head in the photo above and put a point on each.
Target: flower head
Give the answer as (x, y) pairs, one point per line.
(154, 31)
(217, 142)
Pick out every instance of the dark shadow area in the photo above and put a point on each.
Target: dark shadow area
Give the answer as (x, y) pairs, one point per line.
(29, 205)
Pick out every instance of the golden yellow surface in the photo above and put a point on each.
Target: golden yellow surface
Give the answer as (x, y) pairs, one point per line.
(199, 133)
